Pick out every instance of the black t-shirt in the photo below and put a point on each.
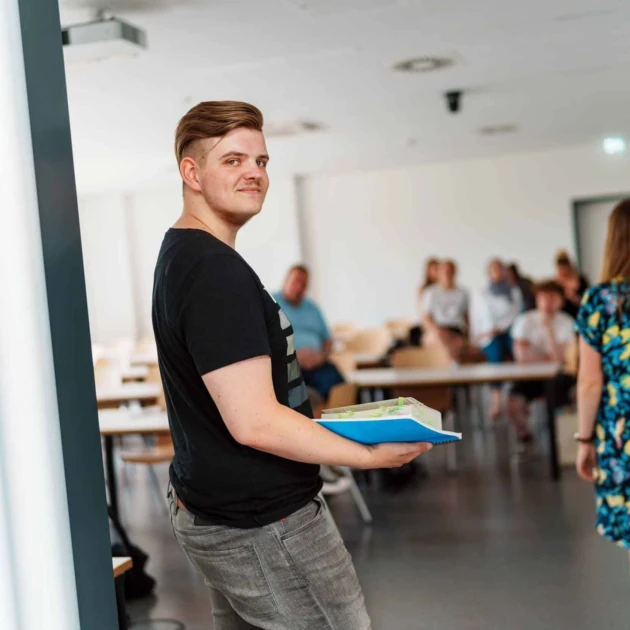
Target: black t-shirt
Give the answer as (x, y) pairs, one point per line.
(210, 310)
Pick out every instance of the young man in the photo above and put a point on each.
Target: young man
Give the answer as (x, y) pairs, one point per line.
(445, 312)
(312, 338)
(245, 487)
(541, 334)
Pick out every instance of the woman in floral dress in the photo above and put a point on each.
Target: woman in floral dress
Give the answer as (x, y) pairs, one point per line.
(603, 324)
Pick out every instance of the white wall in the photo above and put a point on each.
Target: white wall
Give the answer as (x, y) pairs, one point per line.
(107, 267)
(367, 234)
(122, 234)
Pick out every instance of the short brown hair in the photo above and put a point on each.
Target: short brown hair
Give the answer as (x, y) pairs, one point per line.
(214, 119)
(301, 268)
(548, 286)
(617, 250)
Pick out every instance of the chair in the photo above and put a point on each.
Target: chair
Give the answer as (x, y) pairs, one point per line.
(440, 397)
(571, 358)
(344, 330)
(162, 451)
(400, 327)
(345, 395)
(376, 341)
(344, 361)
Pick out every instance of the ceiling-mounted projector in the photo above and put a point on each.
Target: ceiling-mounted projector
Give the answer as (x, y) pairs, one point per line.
(100, 39)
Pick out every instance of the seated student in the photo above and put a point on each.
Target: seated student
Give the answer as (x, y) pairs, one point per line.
(430, 278)
(525, 284)
(541, 334)
(312, 339)
(445, 310)
(573, 283)
(502, 303)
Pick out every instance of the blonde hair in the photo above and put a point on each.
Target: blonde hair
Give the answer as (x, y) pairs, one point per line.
(214, 119)
(617, 250)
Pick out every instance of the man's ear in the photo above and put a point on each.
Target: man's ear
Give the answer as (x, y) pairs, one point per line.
(190, 172)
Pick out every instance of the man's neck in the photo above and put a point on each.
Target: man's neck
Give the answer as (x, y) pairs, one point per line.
(293, 302)
(197, 215)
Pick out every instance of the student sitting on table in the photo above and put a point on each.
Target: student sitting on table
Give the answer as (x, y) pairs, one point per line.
(312, 338)
(541, 334)
(445, 313)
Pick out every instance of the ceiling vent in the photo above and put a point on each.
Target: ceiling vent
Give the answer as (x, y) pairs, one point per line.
(424, 64)
(497, 130)
(290, 128)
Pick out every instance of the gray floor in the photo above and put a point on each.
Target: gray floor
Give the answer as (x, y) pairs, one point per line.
(494, 546)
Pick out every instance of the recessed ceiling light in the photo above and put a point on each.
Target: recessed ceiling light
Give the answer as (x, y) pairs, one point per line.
(614, 146)
(423, 64)
(290, 128)
(497, 130)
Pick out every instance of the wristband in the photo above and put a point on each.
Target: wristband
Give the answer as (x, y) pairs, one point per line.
(584, 440)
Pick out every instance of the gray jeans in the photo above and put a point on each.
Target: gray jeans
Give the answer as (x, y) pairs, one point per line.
(295, 574)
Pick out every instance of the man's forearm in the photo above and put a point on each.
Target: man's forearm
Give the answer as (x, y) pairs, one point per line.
(286, 433)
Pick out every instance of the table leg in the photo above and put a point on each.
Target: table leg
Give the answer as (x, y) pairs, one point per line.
(551, 426)
(120, 602)
(112, 488)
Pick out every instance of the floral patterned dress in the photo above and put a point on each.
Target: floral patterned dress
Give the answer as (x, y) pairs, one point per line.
(604, 322)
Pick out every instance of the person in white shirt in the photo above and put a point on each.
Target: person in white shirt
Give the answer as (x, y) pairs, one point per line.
(445, 312)
(542, 334)
(502, 303)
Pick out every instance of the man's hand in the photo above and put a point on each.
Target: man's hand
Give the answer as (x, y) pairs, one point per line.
(310, 359)
(395, 455)
(586, 462)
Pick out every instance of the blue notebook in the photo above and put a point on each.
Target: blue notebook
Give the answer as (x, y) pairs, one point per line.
(398, 420)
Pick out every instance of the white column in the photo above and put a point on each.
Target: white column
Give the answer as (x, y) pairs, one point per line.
(35, 526)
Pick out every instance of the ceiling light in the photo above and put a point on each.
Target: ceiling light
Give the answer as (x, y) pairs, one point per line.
(497, 130)
(614, 146)
(423, 64)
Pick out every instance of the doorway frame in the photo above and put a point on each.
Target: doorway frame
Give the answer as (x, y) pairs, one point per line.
(576, 204)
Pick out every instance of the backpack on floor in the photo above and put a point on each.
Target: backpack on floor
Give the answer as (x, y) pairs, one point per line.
(138, 583)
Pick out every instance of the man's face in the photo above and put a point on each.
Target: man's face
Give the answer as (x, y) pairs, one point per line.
(446, 274)
(548, 302)
(295, 286)
(496, 271)
(232, 174)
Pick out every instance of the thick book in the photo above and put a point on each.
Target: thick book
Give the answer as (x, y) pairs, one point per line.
(397, 420)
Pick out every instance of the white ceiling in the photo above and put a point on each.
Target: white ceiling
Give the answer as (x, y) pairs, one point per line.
(558, 69)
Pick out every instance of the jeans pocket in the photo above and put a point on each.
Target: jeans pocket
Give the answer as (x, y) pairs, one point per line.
(304, 518)
(238, 574)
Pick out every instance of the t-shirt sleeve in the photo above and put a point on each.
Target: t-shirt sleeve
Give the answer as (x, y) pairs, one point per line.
(324, 331)
(520, 329)
(223, 318)
(590, 323)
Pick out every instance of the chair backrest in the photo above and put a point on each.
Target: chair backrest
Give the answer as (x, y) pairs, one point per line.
(431, 357)
(344, 361)
(373, 341)
(344, 331)
(107, 372)
(571, 358)
(342, 395)
(439, 397)
(400, 327)
(153, 376)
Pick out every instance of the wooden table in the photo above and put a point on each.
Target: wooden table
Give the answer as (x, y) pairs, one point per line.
(144, 358)
(368, 359)
(125, 422)
(135, 373)
(465, 375)
(145, 393)
(121, 566)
